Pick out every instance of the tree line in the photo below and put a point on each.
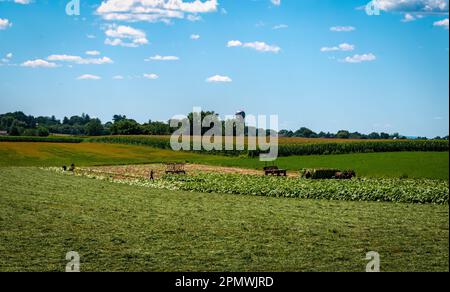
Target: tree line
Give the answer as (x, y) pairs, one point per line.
(20, 124)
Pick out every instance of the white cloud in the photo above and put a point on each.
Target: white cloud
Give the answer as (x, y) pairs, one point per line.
(342, 47)
(360, 58)
(79, 60)
(4, 24)
(408, 17)
(280, 26)
(342, 28)
(92, 53)
(219, 79)
(23, 2)
(414, 9)
(262, 47)
(151, 76)
(91, 36)
(125, 36)
(118, 77)
(162, 58)
(194, 17)
(195, 37)
(89, 77)
(442, 23)
(232, 44)
(414, 6)
(155, 10)
(6, 59)
(258, 46)
(39, 63)
(276, 2)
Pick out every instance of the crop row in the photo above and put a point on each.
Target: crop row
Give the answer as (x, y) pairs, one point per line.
(419, 191)
(362, 147)
(310, 148)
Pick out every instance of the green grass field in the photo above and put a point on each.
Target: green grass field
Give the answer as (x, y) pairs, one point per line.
(434, 165)
(44, 215)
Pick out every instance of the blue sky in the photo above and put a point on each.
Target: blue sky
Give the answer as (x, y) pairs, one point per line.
(323, 64)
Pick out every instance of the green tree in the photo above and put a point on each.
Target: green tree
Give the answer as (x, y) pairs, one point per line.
(286, 133)
(94, 128)
(374, 136)
(126, 127)
(343, 134)
(118, 118)
(305, 133)
(29, 132)
(42, 131)
(16, 128)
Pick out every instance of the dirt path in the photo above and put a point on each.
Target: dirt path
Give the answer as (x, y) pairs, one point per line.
(159, 170)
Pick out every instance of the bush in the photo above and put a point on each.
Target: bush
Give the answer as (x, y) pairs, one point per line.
(29, 132)
(42, 132)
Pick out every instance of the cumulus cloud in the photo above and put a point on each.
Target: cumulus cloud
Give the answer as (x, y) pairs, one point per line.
(413, 6)
(342, 28)
(442, 23)
(280, 26)
(92, 53)
(342, 47)
(79, 60)
(408, 17)
(6, 59)
(232, 44)
(151, 76)
(413, 9)
(118, 77)
(39, 63)
(4, 23)
(125, 36)
(276, 2)
(195, 37)
(23, 2)
(194, 17)
(219, 79)
(89, 77)
(155, 10)
(162, 58)
(258, 46)
(360, 58)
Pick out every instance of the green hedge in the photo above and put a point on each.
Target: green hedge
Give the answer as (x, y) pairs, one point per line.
(50, 139)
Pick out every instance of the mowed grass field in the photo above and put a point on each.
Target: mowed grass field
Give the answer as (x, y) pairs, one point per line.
(114, 227)
(434, 165)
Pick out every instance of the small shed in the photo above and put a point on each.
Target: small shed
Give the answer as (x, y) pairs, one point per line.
(3, 133)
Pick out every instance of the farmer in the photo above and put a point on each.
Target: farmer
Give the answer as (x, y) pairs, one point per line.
(152, 174)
